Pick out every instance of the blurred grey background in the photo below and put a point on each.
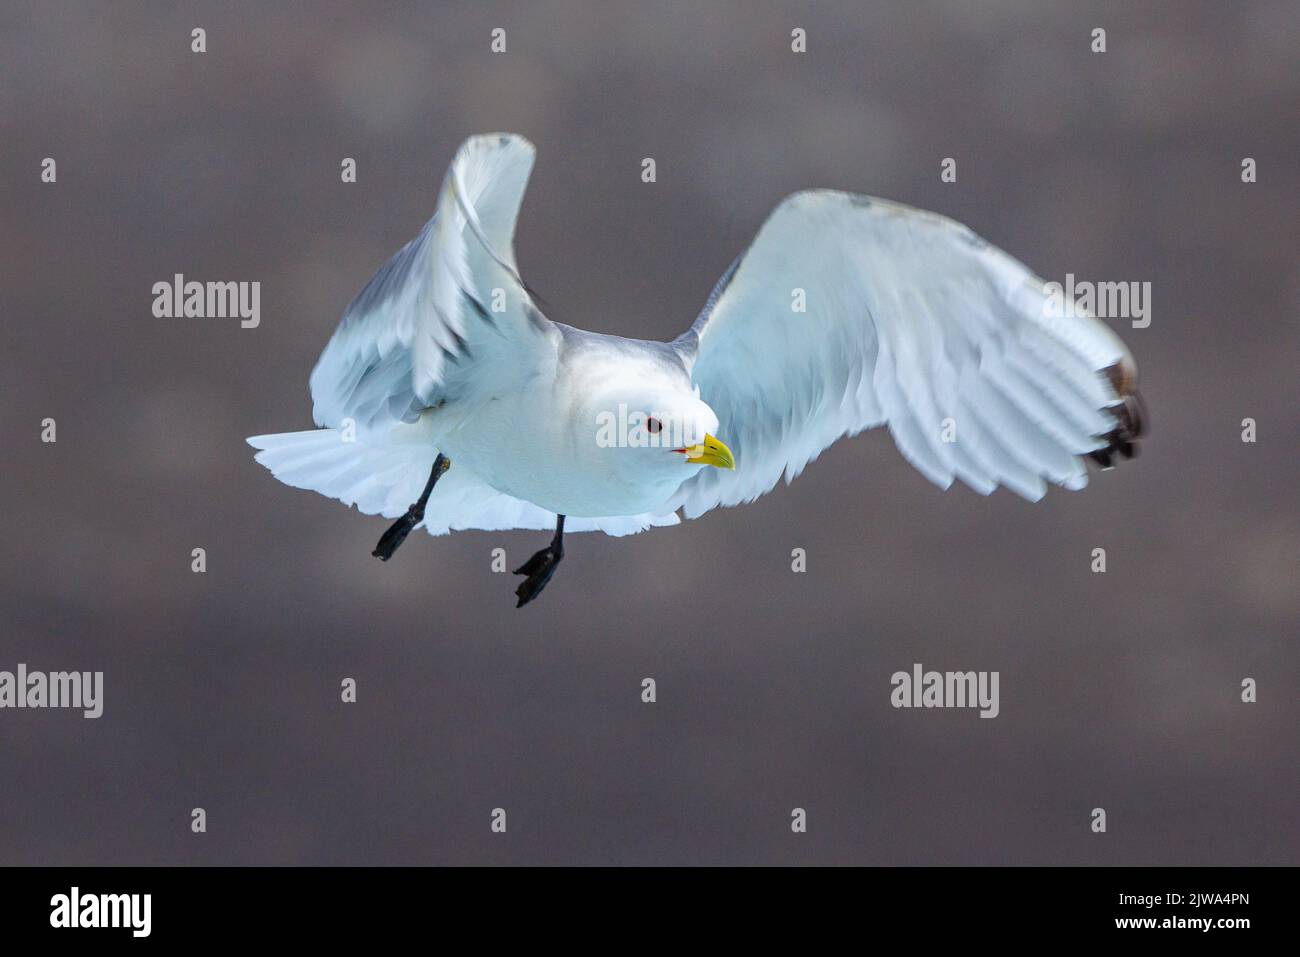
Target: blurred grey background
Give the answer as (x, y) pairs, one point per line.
(222, 690)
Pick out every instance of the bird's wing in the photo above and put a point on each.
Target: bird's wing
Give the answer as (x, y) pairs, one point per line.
(911, 321)
(447, 315)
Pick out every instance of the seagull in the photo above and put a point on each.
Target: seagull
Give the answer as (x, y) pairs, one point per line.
(447, 400)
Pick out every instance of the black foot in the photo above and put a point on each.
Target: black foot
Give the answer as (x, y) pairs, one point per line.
(539, 570)
(397, 533)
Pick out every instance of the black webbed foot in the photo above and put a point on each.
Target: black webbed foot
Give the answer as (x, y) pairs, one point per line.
(539, 570)
(397, 532)
(541, 566)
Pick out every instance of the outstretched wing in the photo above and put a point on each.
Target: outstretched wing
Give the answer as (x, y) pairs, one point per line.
(447, 316)
(912, 321)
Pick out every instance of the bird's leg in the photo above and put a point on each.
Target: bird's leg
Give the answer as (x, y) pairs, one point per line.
(541, 566)
(398, 531)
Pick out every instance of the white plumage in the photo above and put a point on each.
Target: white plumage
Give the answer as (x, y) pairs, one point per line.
(911, 322)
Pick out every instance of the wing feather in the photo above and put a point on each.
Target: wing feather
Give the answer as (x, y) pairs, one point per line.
(911, 321)
(422, 331)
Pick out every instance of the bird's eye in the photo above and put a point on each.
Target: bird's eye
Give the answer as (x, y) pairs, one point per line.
(653, 426)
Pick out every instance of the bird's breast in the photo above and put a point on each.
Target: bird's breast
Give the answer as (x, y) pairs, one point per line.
(522, 449)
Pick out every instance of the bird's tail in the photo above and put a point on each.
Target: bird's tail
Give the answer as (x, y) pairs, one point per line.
(380, 475)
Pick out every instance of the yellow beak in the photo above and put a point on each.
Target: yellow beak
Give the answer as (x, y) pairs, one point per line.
(711, 452)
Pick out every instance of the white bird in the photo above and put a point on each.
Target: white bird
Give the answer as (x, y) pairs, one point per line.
(445, 386)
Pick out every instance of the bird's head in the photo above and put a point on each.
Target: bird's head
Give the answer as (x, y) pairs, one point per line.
(657, 429)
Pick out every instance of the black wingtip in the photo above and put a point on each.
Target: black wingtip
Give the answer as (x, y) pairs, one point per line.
(1131, 420)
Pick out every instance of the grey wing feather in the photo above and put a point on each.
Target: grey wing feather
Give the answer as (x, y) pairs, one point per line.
(912, 321)
(423, 330)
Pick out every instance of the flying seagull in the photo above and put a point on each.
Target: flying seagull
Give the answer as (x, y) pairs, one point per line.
(447, 400)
